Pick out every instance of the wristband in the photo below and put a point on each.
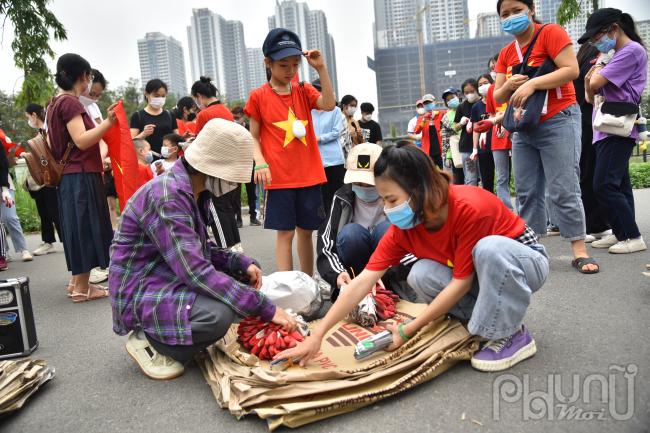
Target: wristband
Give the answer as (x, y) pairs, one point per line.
(261, 166)
(402, 334)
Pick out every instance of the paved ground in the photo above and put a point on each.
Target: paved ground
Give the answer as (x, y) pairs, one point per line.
(582, 324)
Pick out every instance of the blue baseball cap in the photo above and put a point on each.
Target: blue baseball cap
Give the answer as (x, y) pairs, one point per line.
(281, 43)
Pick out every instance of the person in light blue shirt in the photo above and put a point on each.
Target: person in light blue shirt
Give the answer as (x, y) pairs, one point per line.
(328, 126)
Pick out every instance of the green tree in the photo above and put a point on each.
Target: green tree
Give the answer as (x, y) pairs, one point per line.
(12, 119)
(570, 9)
(32, 22)
(129, 92)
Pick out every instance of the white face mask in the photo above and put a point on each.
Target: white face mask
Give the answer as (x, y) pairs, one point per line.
(421, 111)
(366, 117)
(472, 97)
(90, 87)
(157, 102)
(166, 152)
(493, 75)
(86, 101)
(482, 90)
(31, 124)
(351, 111)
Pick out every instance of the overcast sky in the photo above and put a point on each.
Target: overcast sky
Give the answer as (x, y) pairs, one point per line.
(106, 33)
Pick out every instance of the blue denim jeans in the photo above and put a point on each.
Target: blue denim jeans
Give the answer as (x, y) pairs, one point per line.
(11, 220)
(507, 274)
(502, 168)
(550, 157)
(470, 170)
(355, 244)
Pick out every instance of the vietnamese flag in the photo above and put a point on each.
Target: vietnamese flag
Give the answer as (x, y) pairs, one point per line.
(123, 157)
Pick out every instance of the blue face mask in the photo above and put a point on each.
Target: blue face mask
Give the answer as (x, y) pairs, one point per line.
(148, 158)
(368, 194)
(429, 106)
(605, 44)
(453, 103)
(516, 24)
(402, 216)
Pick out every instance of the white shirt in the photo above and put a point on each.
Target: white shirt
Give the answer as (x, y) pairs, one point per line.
(94, 112)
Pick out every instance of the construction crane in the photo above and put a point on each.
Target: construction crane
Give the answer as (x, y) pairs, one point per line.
(420, 32)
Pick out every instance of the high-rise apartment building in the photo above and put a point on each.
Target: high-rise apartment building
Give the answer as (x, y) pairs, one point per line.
(488, 25)
(446, 20)
(162, 57)
(256, 68)
(311, 28)
(217, 50)
(396, 21)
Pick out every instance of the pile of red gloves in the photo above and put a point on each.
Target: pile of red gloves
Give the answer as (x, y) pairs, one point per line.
(265, 339)
(386, 302)
(380, 304)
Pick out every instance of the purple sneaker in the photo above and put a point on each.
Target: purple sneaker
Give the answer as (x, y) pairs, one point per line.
(501, 354)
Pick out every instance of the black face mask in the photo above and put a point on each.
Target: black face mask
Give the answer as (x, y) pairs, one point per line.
(191, 116)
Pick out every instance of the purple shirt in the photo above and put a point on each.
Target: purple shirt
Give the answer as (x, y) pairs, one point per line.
(161, 258)
(627, 75)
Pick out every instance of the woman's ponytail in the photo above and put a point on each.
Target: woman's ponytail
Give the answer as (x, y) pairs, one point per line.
(626, 23)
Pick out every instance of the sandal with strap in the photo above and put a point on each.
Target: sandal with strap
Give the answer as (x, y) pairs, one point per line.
(78, 297)
(581, 262)
(69, 289)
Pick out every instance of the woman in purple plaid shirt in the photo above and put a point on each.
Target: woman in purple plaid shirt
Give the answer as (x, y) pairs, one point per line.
(172, 290)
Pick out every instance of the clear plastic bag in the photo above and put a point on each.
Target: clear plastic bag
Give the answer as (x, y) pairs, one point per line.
(294, 291)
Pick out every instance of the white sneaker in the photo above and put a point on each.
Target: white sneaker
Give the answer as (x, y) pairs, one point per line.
(27, 256)
(98, 275)
(153, 364)
(606, 242)
(237, 248)
(628, 246)
(590, 238)
(601, 235)
(43, 249)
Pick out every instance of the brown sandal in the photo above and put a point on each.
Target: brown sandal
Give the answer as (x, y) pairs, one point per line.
(78, 297)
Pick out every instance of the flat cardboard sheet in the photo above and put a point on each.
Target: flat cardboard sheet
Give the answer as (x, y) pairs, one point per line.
(334, 382)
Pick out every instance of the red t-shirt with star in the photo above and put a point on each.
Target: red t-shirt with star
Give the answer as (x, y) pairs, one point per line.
(294, 162)
(473, 214)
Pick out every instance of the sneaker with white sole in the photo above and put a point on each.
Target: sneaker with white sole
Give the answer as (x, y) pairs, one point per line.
(590, 238)
(601, 235)
(628, 246)
(43, 249)
(98, 275)
(501, 354)
(153, 364)
(606, 242)
(27, 256)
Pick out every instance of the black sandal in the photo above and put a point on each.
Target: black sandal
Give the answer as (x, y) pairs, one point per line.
(580, 262)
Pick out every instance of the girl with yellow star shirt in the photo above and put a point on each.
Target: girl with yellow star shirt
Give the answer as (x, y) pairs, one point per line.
(287, 159)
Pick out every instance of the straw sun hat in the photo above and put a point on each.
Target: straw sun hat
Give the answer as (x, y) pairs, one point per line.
(223, 149)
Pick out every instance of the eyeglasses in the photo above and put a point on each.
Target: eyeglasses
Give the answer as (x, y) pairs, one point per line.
(595, 38)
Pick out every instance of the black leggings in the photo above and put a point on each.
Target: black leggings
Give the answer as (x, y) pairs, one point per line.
(47, 204)
(486, 169)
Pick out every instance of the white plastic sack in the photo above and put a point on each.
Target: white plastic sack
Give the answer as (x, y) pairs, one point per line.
(294, 291)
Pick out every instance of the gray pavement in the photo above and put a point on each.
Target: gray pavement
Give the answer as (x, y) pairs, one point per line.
(582, 324)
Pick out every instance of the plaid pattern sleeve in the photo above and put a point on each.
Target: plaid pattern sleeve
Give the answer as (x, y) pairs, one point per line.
(529, 237)
(161, 260)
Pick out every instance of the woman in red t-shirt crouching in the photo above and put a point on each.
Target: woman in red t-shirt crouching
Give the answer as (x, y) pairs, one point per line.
(478, 260)
(549, 155)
